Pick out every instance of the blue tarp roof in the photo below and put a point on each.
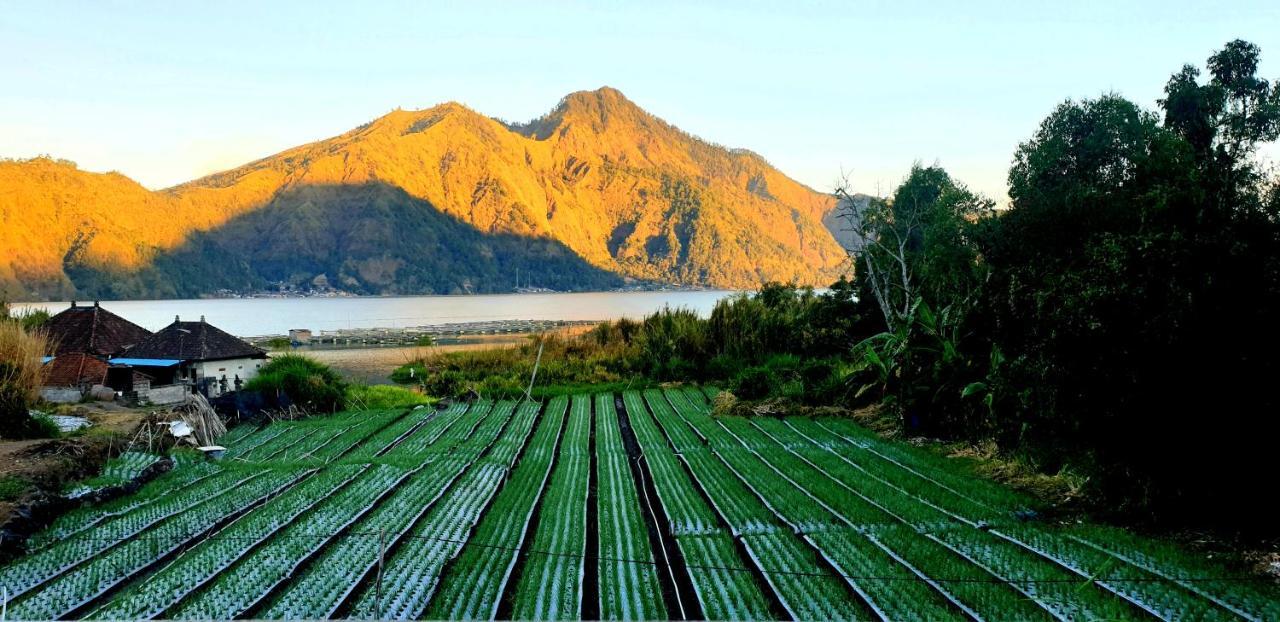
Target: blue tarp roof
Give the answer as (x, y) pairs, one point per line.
(46, 360)
(145, 362)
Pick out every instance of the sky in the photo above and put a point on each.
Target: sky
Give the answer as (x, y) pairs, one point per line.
(165, 92)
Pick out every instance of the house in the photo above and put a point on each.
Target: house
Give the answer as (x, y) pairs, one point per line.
(196, 354)
(81, 340)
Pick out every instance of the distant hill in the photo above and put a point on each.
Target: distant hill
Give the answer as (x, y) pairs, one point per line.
(442, 200)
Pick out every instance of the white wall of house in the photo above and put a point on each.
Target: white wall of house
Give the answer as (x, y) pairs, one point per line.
(246, 368)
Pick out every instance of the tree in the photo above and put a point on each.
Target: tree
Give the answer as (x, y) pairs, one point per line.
(1133, 287)
(918, 261)
(1225, 119)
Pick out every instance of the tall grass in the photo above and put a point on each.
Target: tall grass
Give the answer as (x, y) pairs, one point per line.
(21, 375)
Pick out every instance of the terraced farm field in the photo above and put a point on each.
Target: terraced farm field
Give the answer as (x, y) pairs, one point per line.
(629, 506)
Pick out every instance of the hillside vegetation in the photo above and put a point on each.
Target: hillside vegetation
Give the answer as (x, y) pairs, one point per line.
(598, 187)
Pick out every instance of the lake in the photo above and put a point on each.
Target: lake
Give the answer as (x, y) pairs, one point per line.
(250, 317)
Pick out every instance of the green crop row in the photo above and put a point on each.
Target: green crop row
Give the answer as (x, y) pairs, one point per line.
(412, 574)
(476, 579)
(63, 555)
(76, 588)
(236, 591)
(550, 588)
(628, 590)
(197, 565)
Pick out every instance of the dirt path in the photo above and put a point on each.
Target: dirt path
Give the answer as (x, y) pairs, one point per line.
(47, 465)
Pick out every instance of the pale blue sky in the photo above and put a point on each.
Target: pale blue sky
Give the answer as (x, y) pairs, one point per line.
(168, 91)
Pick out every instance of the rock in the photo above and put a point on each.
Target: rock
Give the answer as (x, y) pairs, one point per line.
(102, 394)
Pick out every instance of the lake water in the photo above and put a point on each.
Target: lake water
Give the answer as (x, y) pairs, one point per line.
(250, 317)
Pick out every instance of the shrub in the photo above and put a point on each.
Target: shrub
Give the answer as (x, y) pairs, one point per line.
(754, 383)
(309, 384)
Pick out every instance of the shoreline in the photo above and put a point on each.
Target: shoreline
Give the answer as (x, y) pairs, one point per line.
(373, 364)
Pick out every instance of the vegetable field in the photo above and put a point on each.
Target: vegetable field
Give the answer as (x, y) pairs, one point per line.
(630, 506)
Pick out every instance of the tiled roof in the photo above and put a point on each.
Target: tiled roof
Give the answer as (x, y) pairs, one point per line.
(193, 341)
(91, 330)
(74, 369)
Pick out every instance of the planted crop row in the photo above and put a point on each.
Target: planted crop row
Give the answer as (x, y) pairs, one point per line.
(38, 568)
(507, 448)
(1216, 583)
(686, 511)
(788, 563)
(150, 597)
(859, 482)
(790, 480)
(848, 550)
(973, 586)
(886, 583)
(866, 463)
(356, 435)
(453, 429)
(257, 437)
(1159, 597)
(628, 591)
(927, 466)
(807, 590)
(78, 587)
(80, 519)
(476, 580)
(235, 591)
(739, 503)
(295, 434)
(1066, 595)
(412, 574)
(787, 500)
(320, 591)
(725, 591)
(400, 429)
(337, 439)
(681, 436)
(125, 467)
(550, 587)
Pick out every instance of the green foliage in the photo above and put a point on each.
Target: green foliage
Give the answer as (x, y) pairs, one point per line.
(1129, 292)
(592, 358)
(383, 397)
(794, 334)
(12, 487)
(308, 383)
(279, 343)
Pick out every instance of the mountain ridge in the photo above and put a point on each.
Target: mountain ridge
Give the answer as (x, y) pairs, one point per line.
(628, 193)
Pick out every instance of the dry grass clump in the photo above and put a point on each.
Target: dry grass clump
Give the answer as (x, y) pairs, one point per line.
(21, 371)
(21, 360)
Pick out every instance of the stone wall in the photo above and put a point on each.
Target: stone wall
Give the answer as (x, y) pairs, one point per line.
(61, 395)
(168, 394)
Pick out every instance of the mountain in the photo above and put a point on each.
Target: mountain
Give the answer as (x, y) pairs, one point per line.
(442, 200)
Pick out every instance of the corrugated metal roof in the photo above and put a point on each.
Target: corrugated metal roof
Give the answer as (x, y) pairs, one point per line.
(145, 362)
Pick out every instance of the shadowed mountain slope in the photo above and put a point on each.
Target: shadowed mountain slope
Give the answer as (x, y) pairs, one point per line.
(622, 190)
